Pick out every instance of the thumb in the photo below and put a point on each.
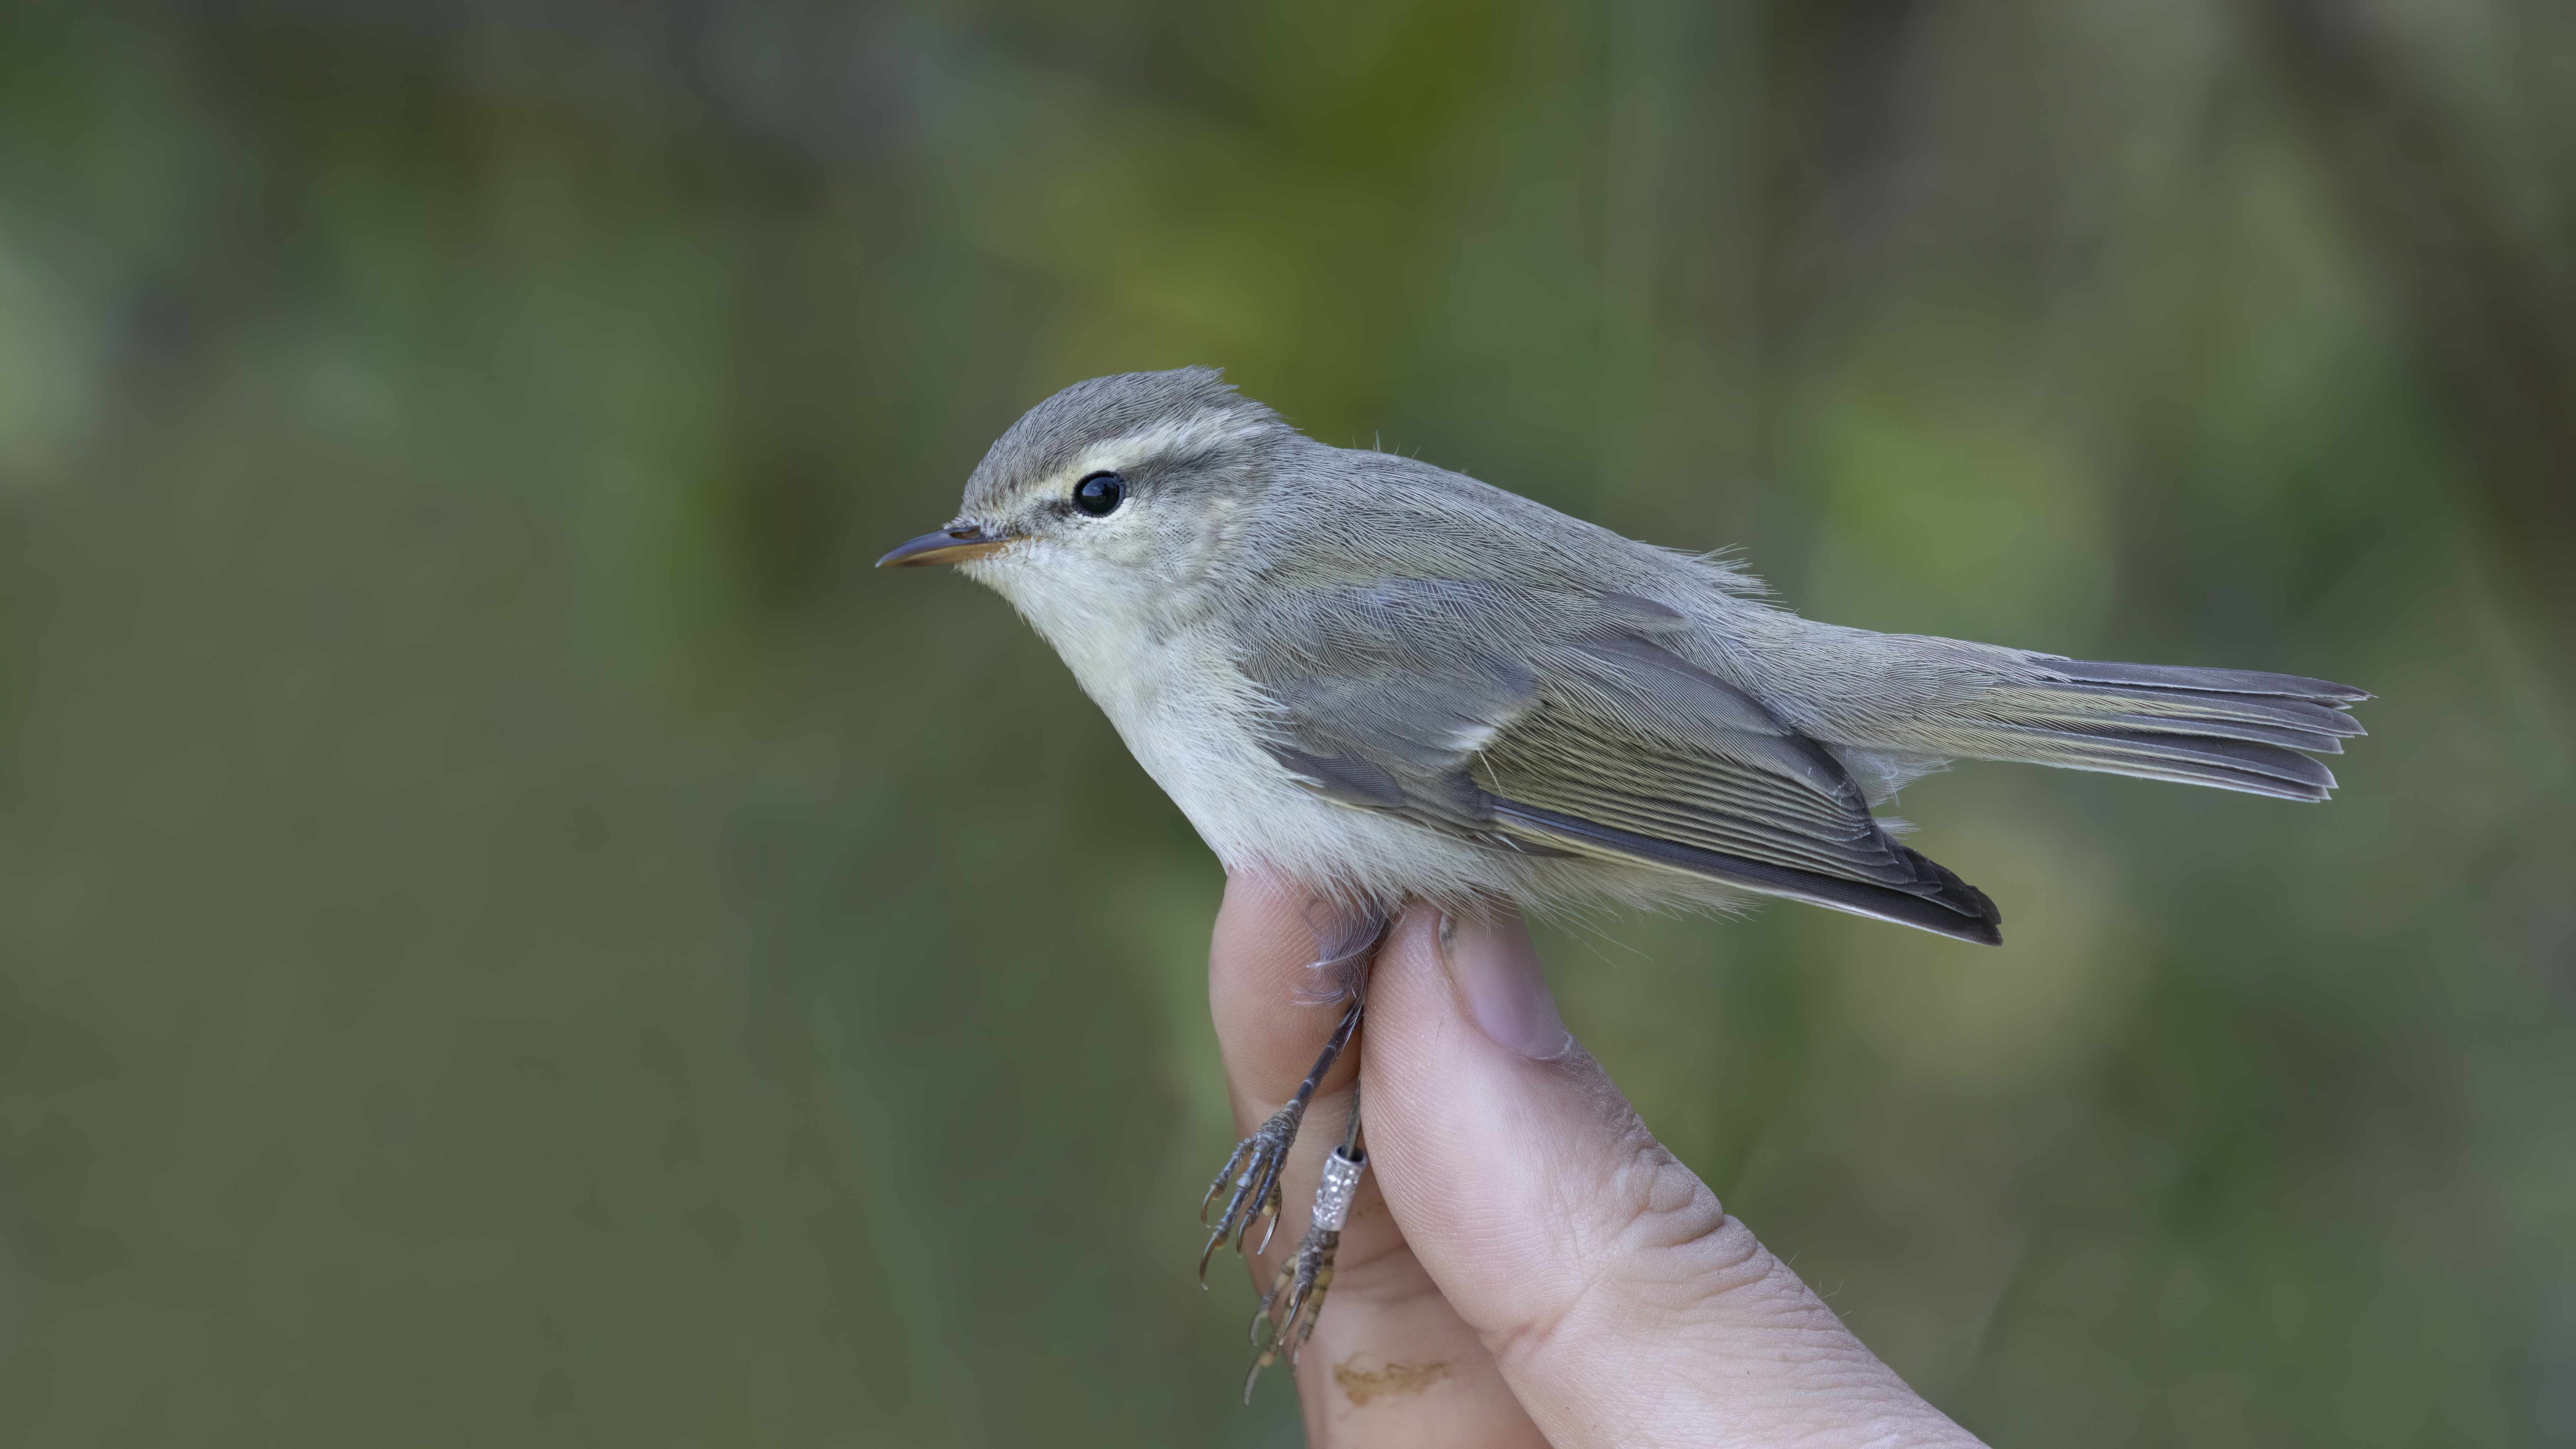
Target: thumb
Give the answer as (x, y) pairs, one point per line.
(1620, 1301)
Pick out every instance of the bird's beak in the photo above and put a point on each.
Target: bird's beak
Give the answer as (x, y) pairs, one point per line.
(949, 545)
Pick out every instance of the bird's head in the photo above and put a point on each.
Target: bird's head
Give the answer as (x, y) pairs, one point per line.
(1120, 492)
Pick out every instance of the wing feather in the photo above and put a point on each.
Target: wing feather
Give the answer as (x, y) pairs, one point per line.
(1595, 741)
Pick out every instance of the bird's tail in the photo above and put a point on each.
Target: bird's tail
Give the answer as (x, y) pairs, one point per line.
(2234, 729)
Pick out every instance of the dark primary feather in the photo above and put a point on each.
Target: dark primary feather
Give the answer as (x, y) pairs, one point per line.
(1946, 905)
(1598, 742)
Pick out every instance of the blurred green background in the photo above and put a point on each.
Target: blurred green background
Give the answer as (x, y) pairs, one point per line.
(511, 933)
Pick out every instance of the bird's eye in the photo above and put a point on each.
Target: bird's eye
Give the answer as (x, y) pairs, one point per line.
(1100, 493)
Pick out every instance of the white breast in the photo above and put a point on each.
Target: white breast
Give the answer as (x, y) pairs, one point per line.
(1194, 722)
(1188, 715)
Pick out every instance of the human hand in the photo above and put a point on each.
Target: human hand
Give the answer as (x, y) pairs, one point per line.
(1524, 1264)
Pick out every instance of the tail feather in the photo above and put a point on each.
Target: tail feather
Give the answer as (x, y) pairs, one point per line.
(2192, 759)
(2299, 724)
(2233, 729)
(2287, 737)
(2207, 681)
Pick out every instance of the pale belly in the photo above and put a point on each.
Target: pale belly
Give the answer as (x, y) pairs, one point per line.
(1194, 724)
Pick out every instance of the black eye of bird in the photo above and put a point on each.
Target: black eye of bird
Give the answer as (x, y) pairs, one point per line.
(1100, 493)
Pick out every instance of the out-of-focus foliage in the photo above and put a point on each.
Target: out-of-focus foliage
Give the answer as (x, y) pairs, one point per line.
(513, 934)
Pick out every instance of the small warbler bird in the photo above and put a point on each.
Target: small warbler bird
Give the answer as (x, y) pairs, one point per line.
(1387, 682)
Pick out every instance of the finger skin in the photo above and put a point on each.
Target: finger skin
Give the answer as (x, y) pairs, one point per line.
(1538, 1269)
(1391, 1362)
(1619, 1300)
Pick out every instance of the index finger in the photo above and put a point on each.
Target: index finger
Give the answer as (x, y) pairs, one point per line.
(1390, 1361)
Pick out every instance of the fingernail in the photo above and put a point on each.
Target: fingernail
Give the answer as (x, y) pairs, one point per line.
(1496, 972)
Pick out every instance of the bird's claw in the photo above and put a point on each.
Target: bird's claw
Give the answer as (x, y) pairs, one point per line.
(1297, 1291)
(1298, 1295)
(1253, 1173)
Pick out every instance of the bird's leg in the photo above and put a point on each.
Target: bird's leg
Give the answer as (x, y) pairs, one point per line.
(1308, 1274)
(1253, 1171)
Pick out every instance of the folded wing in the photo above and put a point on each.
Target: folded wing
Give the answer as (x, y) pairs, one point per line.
(1597, 741)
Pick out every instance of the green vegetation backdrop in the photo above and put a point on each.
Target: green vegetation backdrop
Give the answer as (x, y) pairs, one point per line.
(511, 934)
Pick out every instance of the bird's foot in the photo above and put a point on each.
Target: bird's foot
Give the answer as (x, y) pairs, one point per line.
(1253, 1175)
(1296, 1298)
